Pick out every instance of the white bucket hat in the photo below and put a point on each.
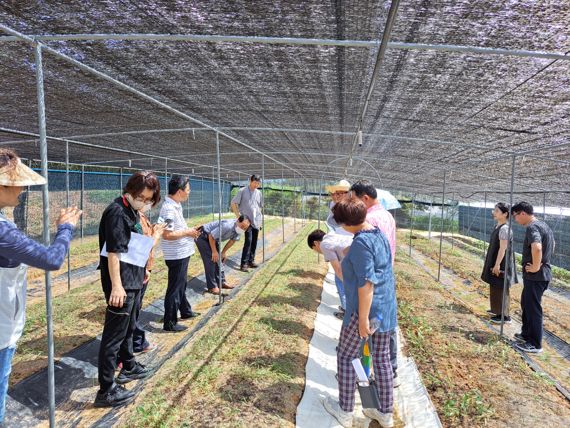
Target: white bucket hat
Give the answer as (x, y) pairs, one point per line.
(20, 175)
(341, 186)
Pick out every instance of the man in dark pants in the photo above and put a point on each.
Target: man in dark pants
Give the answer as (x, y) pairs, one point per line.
(538, 247)
(177, 247)
(208, 244)
(249, 202)
(122, 283)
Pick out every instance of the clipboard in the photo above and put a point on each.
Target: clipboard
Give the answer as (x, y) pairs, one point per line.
(138, 252)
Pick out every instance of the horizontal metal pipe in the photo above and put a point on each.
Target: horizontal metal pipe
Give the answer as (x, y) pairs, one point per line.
(292, 41)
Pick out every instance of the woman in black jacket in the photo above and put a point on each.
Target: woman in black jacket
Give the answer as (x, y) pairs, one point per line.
(494, 268)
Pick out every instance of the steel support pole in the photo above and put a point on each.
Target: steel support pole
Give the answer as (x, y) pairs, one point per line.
(429, 227)
(263, 204)
(201, 195)
(45, 234)
(442, 218)
(221, 299)
(544, 206)
(319, 211)
(510, 250)
(82, 198)
(282, 206)
(412, 224)
(295, 194)
(121, 180)
(67, 203)
(485, 226)
(27, 207)
(188, 204)
(453, 222)
(213, 181)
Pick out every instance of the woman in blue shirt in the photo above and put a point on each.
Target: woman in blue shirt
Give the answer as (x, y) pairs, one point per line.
(17, 252)
(370, 296)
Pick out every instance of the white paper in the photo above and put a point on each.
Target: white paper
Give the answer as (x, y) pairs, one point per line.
(138, 251)
(360, 373)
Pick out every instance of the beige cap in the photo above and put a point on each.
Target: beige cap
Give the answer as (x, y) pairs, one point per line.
(20, 175)
(341, 186)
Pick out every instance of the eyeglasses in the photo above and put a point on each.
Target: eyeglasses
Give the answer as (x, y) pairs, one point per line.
(144, 200)
(516, 214)
(339, 193)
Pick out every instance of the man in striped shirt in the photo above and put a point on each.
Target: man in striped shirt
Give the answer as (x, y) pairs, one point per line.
(177, 247)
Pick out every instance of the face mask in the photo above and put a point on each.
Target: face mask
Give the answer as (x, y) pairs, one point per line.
(147, 208)
(239, 230)
(137, 205)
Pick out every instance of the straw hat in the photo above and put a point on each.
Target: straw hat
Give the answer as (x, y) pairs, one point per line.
(341, 186)
(19, 175)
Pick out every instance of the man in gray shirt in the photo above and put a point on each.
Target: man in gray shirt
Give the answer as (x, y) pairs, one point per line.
(208, 244)
(249, 202)
(538, 248)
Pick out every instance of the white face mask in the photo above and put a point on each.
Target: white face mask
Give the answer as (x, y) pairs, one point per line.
(147, 208)
(137, 205)
(239, 230)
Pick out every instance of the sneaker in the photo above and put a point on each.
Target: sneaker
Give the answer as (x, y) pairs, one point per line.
(344, 418)
(117, 396)
(192, 314)
(528, 348)
(519, 338)
(340, 309)
(490, 312)
(497, 320)
(138, 372)
(385, 420)
(174, 327)
(397, 381)
(339, 315)
(149, 347)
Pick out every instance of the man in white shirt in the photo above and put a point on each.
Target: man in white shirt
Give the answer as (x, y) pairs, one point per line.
(177, 247)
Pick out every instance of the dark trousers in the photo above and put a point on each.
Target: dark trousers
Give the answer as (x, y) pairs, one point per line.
(394, 352)
(139, 335)
(211, 269)
(531, 305)
(117, 339)
(249, 245)
(175, 298)
(496, 300)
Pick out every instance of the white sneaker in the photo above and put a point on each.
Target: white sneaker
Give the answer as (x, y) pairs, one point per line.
(397, 381)
(344, 418)
(385, 420)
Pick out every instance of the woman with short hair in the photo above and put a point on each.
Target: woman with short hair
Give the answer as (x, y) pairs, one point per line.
(122, 284)
(494, 266)
(17, 252)
(370, 296)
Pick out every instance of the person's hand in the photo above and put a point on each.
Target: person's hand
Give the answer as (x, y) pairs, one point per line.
(118, 296)
(364, 328)
(223, 257)
(496, 270)
(215, 257)
(69, 215)
(158, 230)
(529, 268)
(146, 276)
(193, 232)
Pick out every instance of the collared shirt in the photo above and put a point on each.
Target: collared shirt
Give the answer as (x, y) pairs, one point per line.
(333, 246)
(333, 226)
(250, 203)
(379, 217)
(369, 259)
(178, 248)
(118, 221)
(228, 230)
(538, 231)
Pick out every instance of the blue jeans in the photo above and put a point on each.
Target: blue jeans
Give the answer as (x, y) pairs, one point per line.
(340, 289)
(6, 355)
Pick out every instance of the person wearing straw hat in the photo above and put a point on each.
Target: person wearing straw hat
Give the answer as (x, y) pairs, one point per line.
(337, 192)
(17, 252)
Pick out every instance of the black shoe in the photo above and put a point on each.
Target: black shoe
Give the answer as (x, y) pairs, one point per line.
(138, 372)
(244, 268)
(174, 327)
(528, 348)
(339, 315)
(117, 396)
(520, 338)
(497, 320)
(189, 316)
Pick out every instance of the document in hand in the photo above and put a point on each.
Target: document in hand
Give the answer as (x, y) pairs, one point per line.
(138, 252)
